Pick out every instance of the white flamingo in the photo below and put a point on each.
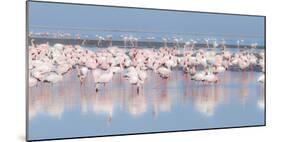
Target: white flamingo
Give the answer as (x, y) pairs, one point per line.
(164, 72)
(261, 79)
(82, 73)
(101, 77)
(32, 81)
(53, 77)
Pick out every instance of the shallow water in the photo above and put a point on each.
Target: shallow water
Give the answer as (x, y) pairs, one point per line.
(67, 109)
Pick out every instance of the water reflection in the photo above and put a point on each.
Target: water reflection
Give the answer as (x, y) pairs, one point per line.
(206, 100)
(261, 99)
(158, 95)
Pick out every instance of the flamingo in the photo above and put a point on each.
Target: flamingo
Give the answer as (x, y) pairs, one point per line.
(136, 76)
(82, 73)
(100, 39)
(254, 45)
(170, 63)
(63, 68)
(32, 81)
(131, 40)
(223, 44)
(53, 77)
(261, 79)
(164, 72)
(210, 78)
(125, 39)
(243, 63)
(207, 42)
(136, 42)
(109, 38)
(102, 77)
(186, 45)
(193, 44)
(165, 42)
(215, 44)
(176, 42)
(190, 70)
(142, 75)
(199, 76)
(238, 43)
(218, 69)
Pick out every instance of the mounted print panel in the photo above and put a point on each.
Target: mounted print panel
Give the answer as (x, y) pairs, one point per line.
(103, 70)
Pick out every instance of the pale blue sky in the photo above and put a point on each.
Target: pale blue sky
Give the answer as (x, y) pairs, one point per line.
(97, 17)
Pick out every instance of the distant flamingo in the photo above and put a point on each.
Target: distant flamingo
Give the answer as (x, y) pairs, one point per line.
(165, 40)
(261, 79)
(100, 39)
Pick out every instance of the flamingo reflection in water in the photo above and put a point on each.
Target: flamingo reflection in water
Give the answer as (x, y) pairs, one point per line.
(54, 100)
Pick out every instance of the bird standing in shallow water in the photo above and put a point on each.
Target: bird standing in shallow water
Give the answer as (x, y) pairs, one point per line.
(261, 79)
(82, 73)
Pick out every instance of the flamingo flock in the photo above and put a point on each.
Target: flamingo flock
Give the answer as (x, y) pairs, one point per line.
(50, 63)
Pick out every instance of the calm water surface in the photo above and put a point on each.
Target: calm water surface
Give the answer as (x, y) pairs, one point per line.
(67, 109)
